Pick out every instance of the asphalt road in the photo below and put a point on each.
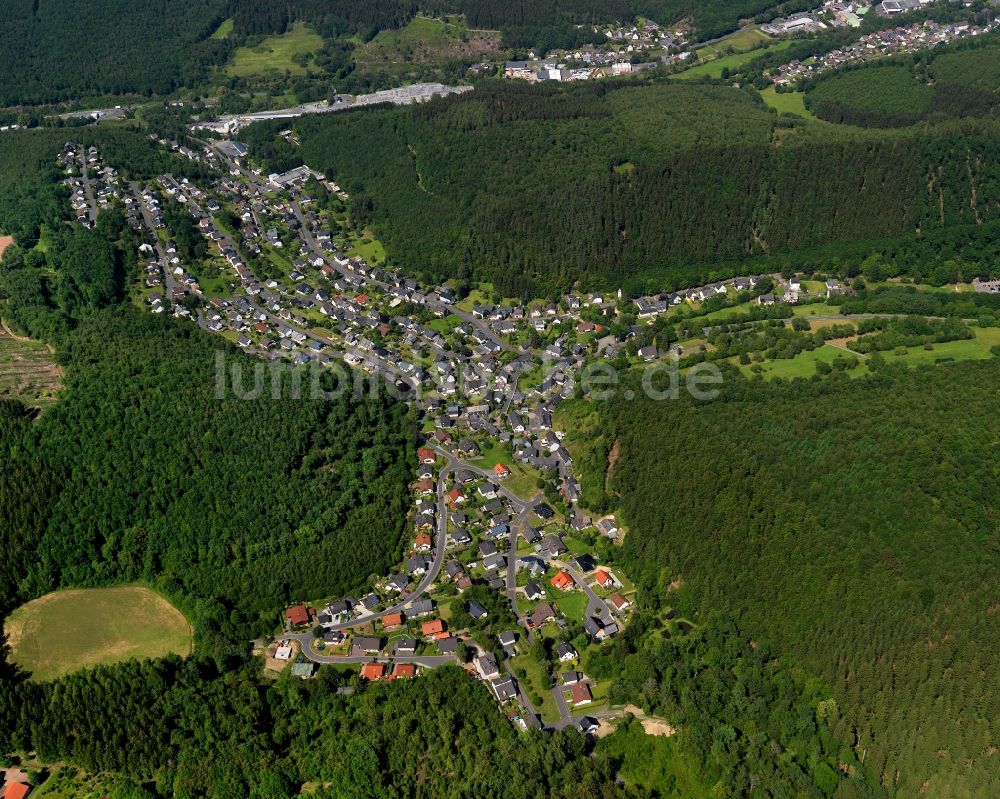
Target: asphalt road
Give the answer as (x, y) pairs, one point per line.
(168, 277)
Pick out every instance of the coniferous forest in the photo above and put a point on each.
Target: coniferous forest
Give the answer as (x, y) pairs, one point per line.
(654, 187)
(878, 498)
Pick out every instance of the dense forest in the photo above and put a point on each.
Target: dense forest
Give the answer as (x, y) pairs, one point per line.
(879, 498)
(956, 81)
(247, 503)
(649, 187)
(182, 729)
(50, 50)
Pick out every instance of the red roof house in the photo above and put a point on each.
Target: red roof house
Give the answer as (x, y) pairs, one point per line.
(426, 455)
(423, 542)
(392, 620)
(580, 694)
(432, 627)
(372, 671)
(16, 790)
(404, 670)
(604, 579)
(620, 602)
(501, 471)
(562, 581)
(298, 615)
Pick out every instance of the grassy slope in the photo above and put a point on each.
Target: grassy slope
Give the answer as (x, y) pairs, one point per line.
(275, 53)
(27, 371)
(65, 631)
(714, 67)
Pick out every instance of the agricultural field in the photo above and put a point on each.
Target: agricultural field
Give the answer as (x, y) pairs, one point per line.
(27, 371)
(276, 53)
(74, 629)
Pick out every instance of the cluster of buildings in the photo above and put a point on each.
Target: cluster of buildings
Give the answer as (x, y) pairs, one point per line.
(92, 184)
(874, 46)
(405, 95)
(487, 378)
(630, 49)
(833, 13)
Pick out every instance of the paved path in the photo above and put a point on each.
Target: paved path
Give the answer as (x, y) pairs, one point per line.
(425, 582)
(596, 606)
(168, 276)
(456, 463)
(88, 190)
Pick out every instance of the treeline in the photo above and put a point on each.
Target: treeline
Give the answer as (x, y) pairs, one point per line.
(758, 726)
(711, 18)
(183, 729)
(54, 51)
(330, 17)
(900, 94)
(233, 506)
(908, 300)
(879, 498)
(646, 187)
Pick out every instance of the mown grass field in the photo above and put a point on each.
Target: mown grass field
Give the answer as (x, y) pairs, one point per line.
(275, 53)
(713, 68)
(804, 364)
(787, 102)
(224, 29)
(740, 41)
(70, 630)
(27, 372)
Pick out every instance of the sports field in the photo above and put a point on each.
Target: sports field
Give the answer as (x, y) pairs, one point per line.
(69, 630)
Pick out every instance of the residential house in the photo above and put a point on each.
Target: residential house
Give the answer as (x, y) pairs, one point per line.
(486, 665)
(605, 579)
(565, 652)
(563, 581)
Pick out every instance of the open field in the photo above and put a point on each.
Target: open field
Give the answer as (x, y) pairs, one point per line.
(739, 41)
(367, 247)
(424, 41)
(573, 604)
(713, 68)
(74, 629)
(804, 364)
(275, 53)
(224, 29)
(27, 371)
(786, 102)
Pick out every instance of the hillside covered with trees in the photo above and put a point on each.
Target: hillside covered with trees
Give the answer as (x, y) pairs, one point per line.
(183, 729)
(646, 186)
(878, 497)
